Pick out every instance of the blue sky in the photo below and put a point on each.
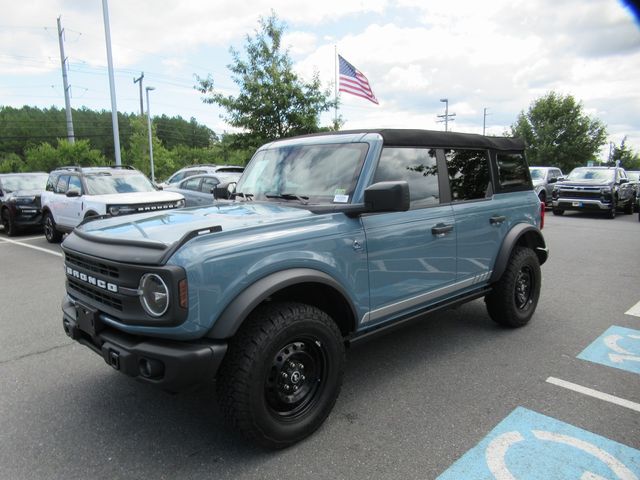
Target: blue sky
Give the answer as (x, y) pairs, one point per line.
(500, 55)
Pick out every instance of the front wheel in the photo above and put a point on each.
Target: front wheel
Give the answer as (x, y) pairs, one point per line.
(558, 211)
(50, 232)
(282, 373)
(628, 209)
(9, 225)
(515, 296)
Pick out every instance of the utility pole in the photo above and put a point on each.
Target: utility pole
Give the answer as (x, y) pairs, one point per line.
(153, 177)
(446, 115)
(65, 84)
(112, 85)
(484, 120)
(139, 80)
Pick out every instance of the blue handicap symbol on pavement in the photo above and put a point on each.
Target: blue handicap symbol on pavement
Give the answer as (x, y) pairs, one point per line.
(618, 347)
(529, 446)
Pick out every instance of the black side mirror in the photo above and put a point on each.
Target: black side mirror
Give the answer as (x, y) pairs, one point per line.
(223, 190)
(624, 180)
(552, 180)
(387, 197)
(73, 193)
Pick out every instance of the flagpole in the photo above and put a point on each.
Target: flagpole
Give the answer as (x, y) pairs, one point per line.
(335, 78)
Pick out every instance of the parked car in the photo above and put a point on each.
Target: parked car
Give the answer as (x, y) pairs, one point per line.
(20, 201)
(594, 189)
(199, 170)
(198, 189)
(75, 194)
(330, 239)
(543, 180)
(634, 179)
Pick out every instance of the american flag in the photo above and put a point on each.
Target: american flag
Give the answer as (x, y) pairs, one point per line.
(354, 82)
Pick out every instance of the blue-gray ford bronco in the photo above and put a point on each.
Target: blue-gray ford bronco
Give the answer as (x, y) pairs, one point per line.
(325, 240)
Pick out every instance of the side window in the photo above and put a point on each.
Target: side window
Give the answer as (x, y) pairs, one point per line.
(176, 178)
(191, 184)
(468, 174)
(61, 185)
(51, 183)
(208, 183)
(418, 167)
(513, 173)
(74, 183)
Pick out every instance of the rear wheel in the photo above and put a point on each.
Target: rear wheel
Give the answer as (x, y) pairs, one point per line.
(282, 373)
(50, 232)
(9, 225)
(628, 209)
(515, 296)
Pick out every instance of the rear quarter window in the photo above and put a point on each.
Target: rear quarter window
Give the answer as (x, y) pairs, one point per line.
(513, 172)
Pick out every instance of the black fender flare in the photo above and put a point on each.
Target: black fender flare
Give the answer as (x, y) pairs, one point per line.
(532, 237)
(240, 307)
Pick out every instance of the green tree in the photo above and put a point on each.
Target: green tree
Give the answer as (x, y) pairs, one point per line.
(273, 102)
(45, 157)
(137, 154)
(558, 133)
(629, 159)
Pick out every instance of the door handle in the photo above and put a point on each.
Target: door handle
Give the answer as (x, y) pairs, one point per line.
(497, 220)
(440, 230)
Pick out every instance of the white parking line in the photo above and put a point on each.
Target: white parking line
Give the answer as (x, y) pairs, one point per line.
(27, 239)
(635, 310)
(595, 393)
(6, 240)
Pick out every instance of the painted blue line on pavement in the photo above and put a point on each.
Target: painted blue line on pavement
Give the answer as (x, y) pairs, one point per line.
(617, 347)
(530, 446)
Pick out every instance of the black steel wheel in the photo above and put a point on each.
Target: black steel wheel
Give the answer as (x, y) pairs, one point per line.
(282, 373)
(50, 232)
(9, 225)
(514, 297)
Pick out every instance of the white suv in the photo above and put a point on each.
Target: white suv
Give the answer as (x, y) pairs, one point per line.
(74, 194)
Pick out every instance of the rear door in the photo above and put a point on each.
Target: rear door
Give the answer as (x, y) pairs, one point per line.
(411, 255)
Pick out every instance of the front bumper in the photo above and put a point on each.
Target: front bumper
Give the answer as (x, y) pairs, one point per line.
(27, 216)
(581, 204)
(170, 365)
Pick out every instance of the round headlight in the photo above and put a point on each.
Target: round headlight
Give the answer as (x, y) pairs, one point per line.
(154, 294)
(114, 210)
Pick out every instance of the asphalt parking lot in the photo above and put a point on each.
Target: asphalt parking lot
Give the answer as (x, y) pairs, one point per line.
(450, 397)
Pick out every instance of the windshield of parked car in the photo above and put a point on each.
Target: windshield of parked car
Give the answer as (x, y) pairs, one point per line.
(12, 183)
(591, 174)
(634, 176)
(537, 173)
(315, 173)
(104, 183)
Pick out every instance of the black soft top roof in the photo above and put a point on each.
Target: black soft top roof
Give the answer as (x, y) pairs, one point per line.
(400, 137)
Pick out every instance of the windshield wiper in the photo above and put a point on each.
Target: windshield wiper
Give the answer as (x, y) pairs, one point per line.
(289, 196)
(245, 196)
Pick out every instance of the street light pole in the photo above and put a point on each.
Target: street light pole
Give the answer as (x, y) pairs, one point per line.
(112, 84)
(446, 114)
(153, 178)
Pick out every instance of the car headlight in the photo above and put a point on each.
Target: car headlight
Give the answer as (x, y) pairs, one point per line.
(154, 294)
(115, 210)
(180, 203)
(605, 190)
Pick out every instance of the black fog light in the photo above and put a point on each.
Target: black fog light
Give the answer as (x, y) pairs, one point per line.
(154, 294)
(149, 368)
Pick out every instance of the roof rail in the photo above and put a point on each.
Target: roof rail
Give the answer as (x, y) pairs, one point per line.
(76, 168)
(128, 167)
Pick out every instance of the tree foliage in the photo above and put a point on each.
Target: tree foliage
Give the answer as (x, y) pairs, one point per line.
(46, 157)
(273, 102)
(558, 133)
(628, 159)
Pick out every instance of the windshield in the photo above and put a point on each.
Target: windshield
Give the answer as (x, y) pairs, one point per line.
(634, 176)
(11, 183)
(104, 183)
(317, 173)
(537, 173)
(591, 174)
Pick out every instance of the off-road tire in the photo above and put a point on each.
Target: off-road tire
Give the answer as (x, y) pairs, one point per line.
(558, 211)
(514, 297)
(50, 231)
(10, 229)
(280, 347)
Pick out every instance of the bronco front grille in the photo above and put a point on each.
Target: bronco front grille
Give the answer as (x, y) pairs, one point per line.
(92, 265)
(153, 207)
(98, 295)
